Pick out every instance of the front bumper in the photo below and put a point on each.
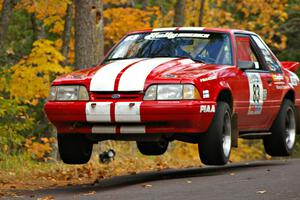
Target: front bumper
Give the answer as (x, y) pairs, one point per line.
(131, 117)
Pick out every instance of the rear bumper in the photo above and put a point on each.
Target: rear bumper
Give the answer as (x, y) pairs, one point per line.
(126, 117)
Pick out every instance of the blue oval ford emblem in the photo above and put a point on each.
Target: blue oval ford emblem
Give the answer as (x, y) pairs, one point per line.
(115, 96)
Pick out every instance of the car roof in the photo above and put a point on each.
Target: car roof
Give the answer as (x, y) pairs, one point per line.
(226, 30)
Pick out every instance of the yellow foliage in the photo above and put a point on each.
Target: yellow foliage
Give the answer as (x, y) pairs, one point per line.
(44, 9)
(116, 2)
(33, 74)
(122, 20)
(39, 150)
(51, 12)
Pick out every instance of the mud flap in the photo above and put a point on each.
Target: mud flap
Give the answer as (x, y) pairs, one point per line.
(297, 108)
(235, 131)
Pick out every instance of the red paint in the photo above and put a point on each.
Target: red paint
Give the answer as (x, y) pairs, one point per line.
(112, 112)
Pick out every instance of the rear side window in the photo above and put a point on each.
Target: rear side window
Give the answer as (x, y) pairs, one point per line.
(271, 61)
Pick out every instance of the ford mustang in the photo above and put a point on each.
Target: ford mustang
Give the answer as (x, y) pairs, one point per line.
(207, 86)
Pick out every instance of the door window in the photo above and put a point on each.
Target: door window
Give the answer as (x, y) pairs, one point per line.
(245, 51)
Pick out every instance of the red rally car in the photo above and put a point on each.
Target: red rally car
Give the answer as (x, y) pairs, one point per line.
(208, 86)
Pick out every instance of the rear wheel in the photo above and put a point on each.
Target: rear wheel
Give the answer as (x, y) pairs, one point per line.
(281, 141)
(215, 145)
(153, 148)
(74, 148)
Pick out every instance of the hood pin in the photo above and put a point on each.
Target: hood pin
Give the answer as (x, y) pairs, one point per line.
(131, 105)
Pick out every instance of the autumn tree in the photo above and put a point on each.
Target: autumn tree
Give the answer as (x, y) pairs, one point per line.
(291, 29)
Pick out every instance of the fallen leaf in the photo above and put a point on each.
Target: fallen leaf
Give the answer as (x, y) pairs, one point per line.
(147, 186)
(49, 197)
(10, 51)
(188, 181)
(261, 192)
(90, 193)
(232, 174)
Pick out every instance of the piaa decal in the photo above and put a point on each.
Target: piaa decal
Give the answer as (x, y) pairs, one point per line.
(207, 109)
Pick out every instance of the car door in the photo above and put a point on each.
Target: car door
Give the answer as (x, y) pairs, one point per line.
(277, 81)
(255, 103)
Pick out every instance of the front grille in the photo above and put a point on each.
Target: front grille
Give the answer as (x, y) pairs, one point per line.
(121, 95)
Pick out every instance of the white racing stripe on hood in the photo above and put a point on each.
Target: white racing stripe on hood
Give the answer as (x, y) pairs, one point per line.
(133, 79)
(105, 77)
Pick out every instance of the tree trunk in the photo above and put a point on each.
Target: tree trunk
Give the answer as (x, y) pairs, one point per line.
(201, 13)
(7, 8)
(67, 33)
(144, 4)
(179, 13)
(88, 25)
(37, 28)
(34, 27)
(98, 34)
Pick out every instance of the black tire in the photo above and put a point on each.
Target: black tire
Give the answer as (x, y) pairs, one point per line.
(74, 148)
(281, 141)
(215, 145)
(152, 148)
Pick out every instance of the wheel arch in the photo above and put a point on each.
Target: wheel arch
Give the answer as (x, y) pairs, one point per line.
(226, 96)
(290, 95)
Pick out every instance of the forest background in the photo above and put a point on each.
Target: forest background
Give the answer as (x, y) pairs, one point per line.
(42, 39)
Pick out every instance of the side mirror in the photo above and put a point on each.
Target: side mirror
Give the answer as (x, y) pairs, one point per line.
(244, 65)
(292, 66)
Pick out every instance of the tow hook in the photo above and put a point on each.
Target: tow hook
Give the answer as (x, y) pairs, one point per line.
(107, 156)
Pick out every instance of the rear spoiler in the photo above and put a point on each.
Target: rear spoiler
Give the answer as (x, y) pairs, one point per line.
(292, 66)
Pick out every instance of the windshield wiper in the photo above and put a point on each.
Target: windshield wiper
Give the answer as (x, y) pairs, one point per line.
(112, 59)
(193, 59)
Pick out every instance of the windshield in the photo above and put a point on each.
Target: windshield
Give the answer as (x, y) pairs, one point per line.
(213, 48)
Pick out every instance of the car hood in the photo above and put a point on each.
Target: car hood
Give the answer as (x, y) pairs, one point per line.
(137, 74)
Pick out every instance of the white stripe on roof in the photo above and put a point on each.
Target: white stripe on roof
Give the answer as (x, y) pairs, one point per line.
(164, 29)
(191, 28)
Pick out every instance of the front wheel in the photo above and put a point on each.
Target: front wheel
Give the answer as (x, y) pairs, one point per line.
(74, 148)
(215, 145)
(152, 148)
(281, 141)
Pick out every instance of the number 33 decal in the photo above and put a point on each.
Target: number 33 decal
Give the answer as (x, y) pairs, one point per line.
(255, 91)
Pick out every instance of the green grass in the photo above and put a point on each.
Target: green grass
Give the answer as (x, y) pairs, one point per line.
(23, 164)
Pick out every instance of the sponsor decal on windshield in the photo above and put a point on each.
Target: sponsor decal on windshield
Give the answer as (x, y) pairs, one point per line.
(171, 35)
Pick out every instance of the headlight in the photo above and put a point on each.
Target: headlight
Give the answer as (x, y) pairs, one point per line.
(172, 92)
(169, 92)
(68, 93)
